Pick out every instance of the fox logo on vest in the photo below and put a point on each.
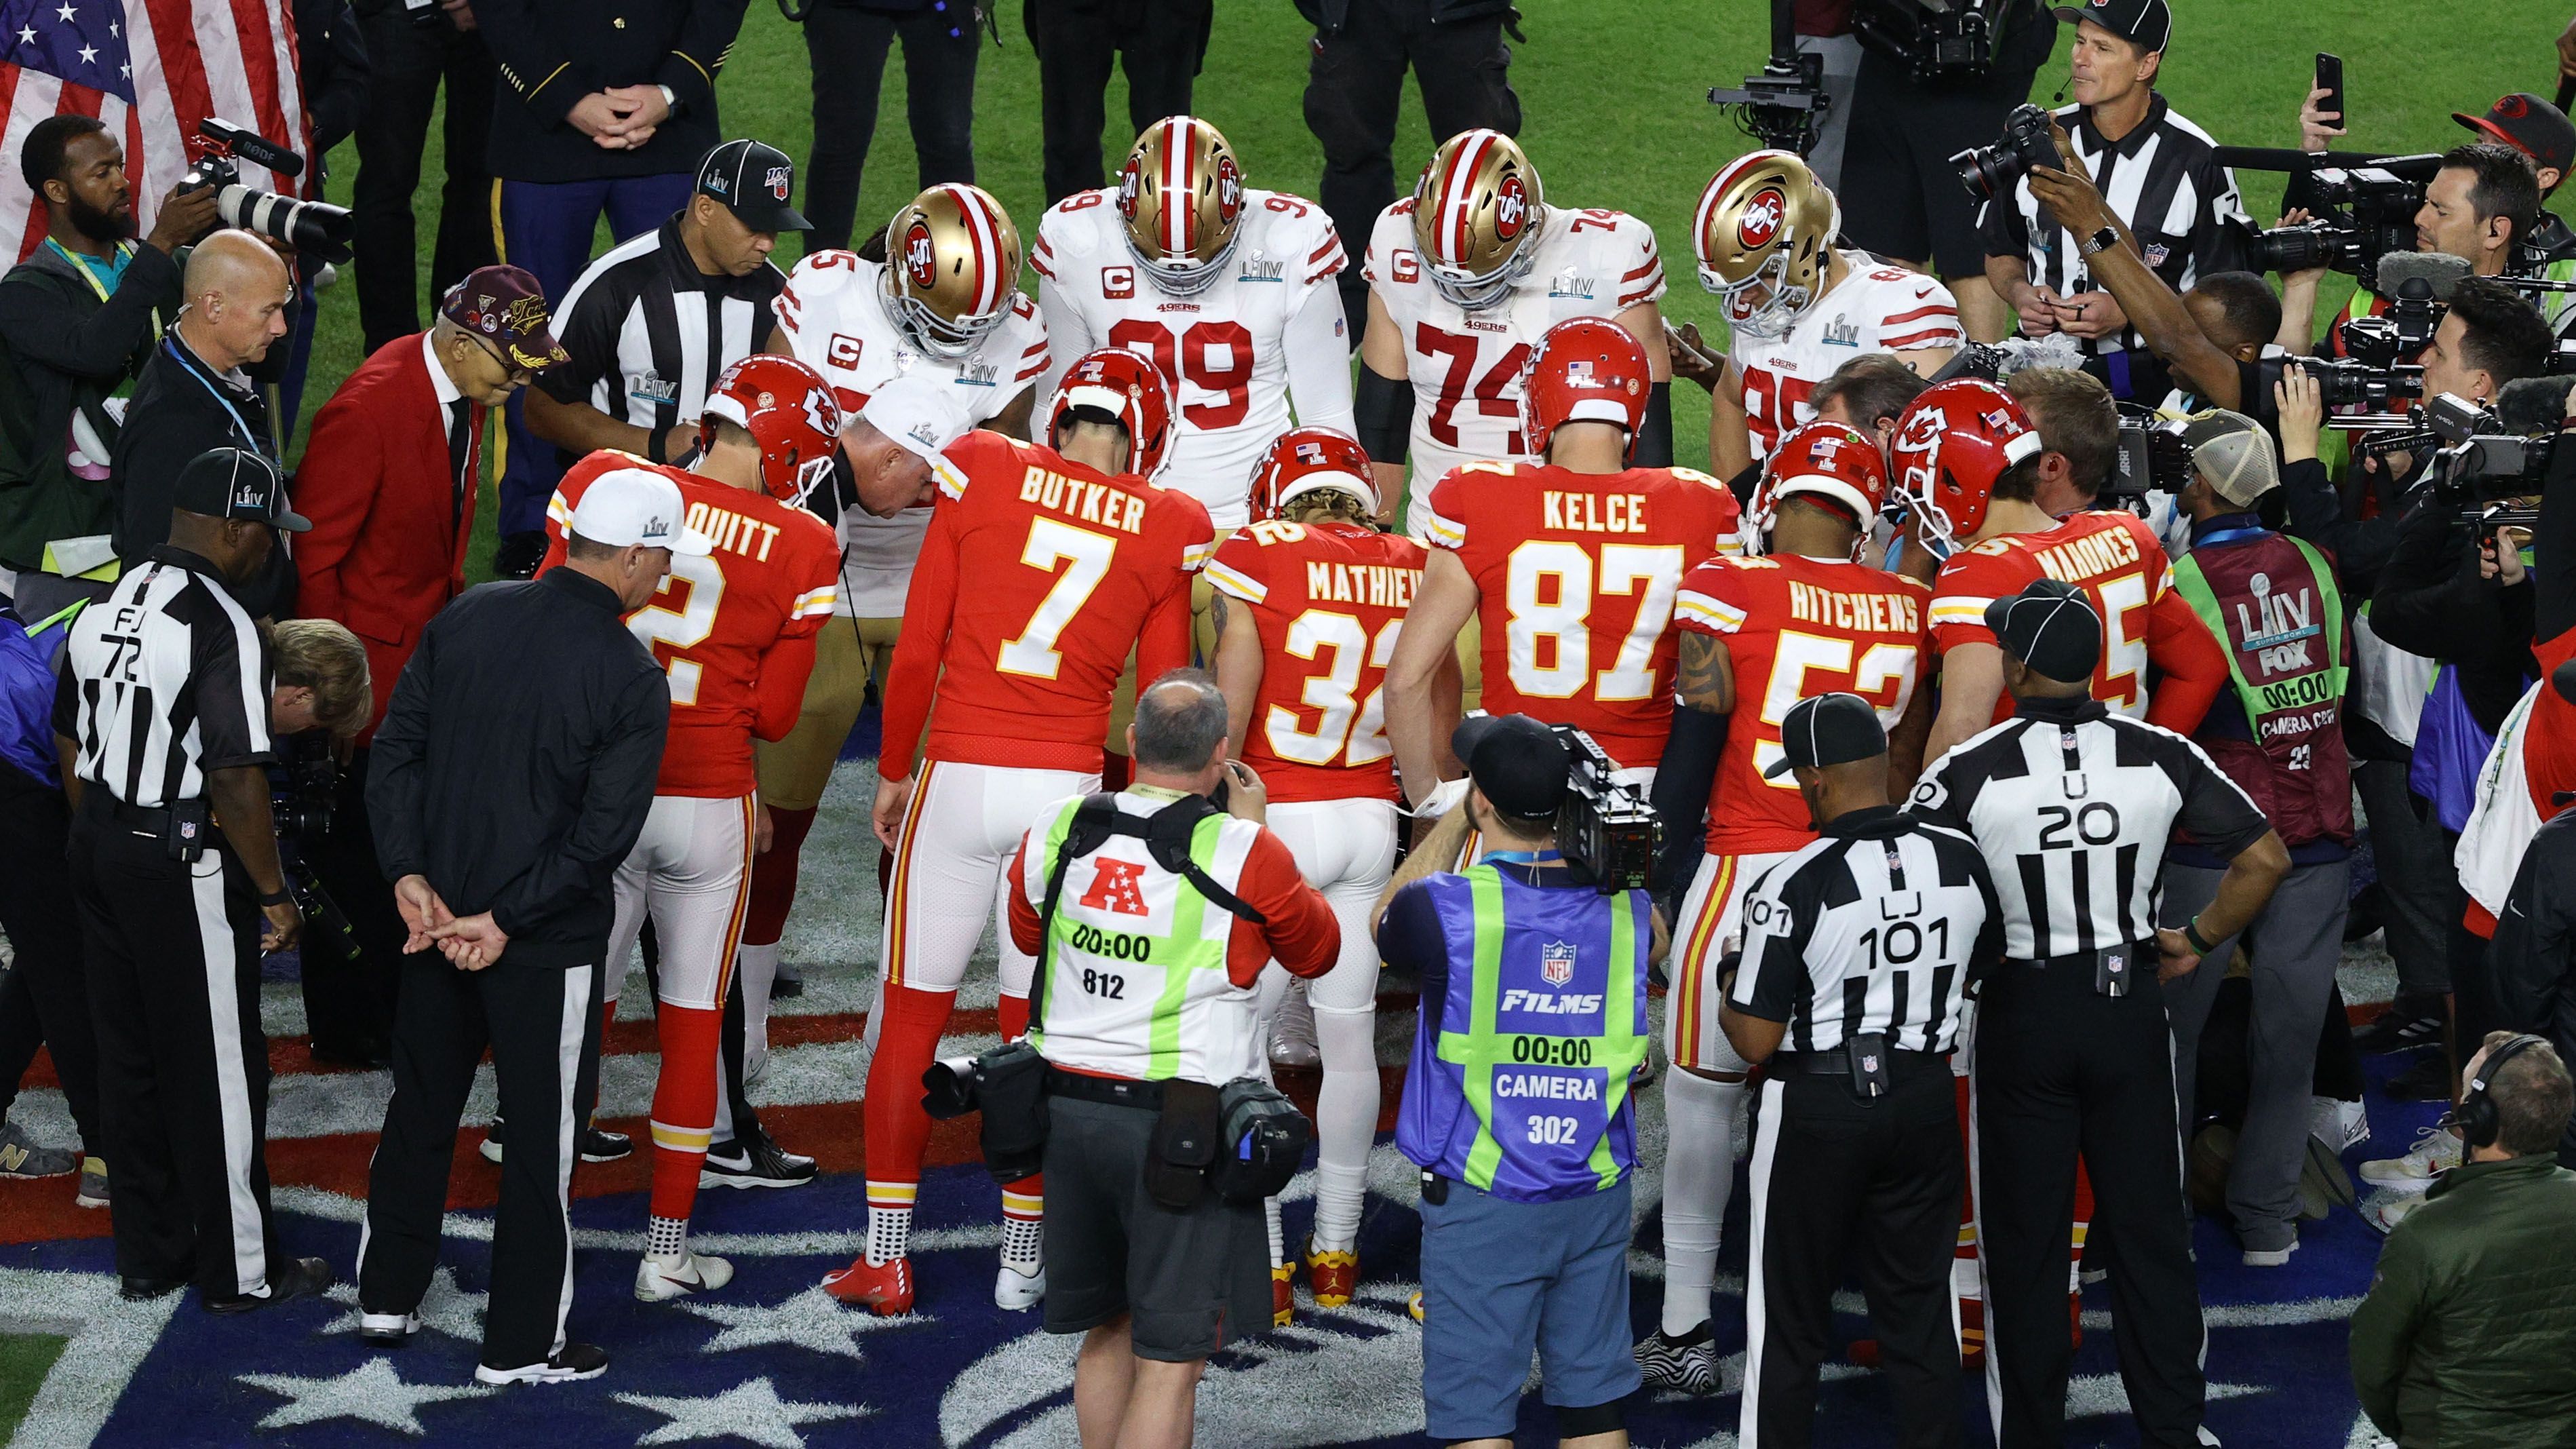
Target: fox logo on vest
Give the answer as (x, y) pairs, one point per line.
(1114, 888)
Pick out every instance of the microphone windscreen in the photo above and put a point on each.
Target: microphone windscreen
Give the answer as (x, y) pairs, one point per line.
(2439, 270)
(2532, 405)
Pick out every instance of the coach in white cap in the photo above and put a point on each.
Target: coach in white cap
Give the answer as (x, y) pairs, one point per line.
(512, 773)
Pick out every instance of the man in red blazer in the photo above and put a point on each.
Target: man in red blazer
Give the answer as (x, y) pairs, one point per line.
(389, 480)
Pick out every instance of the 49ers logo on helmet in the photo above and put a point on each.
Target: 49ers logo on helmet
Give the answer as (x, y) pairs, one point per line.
(918, 262)
(1229, 190)
(1131, 182)
(1761, 220)
(1511, 206)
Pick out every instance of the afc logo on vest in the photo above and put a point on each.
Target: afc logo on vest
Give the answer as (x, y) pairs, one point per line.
(1114, 888)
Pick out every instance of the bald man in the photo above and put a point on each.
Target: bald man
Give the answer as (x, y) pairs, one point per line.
(194, 396)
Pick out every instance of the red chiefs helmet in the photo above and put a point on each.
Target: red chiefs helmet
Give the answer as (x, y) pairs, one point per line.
(1584, 370)
(1828, 460)
(1310, 460)
(1118, 385)
(1952, 442)
(791, 414)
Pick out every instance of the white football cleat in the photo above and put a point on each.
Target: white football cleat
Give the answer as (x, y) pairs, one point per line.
(659, 1280)
(2435, 1151)
(1013, 1290)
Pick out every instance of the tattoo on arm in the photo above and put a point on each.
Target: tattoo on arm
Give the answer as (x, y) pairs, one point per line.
(1705, 683)
(1216, 610)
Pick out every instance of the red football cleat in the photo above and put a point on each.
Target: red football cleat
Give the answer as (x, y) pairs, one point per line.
(883, 1289)
(1334, 1276)
(1283, 1297)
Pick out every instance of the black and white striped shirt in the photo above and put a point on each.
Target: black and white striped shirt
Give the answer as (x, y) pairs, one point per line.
(2162, 178)
(165, 681)
(2073, 806)
(1875, 927)
(649, 333)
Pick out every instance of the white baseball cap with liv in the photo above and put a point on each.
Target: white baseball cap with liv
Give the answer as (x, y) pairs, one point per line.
(626, 507)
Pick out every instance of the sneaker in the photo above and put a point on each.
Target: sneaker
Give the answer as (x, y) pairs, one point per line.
(387, 1330)
(1334, 1275)
(1687, 1363)
(2427, 1081)
(884, 1289)
(1292, 1032)
(573, 1362)
(597, 1144)
(2404, 1024)
(1014, 1290)
(2340, 1125)
(754, 1161)
(2435, 1150)
(661, 1279)
(302, 1278)
(2272, 1257)
(789, 984)
(21, 1157)
(1283, 1295)
(93, 1184)
(2388, 1212)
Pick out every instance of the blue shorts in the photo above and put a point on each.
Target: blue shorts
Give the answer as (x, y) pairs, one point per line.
(1502, 1278)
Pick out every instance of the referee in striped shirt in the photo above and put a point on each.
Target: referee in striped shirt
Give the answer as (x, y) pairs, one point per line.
(2072, 806)
(1856, 952)
(163, 724)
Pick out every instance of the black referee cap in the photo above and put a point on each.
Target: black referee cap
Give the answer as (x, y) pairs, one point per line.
(754, 179)
(2049, 627)
(1520, 764)
(236, 483)
(2146, 24)
(1830, 729)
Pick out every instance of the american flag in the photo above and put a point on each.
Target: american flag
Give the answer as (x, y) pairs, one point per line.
(151, 70)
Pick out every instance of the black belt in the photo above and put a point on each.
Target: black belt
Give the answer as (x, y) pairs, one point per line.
(2147, 952)
(151, 819)
(1836, 1061)
(1109, 1091)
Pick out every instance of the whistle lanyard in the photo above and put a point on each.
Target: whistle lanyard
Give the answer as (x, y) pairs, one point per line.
(250, 437)
(124, 255)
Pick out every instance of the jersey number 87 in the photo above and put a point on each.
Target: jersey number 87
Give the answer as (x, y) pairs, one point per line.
(1549, 587)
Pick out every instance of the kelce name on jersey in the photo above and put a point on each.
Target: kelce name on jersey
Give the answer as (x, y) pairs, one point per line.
(1866, 613)
(2094, 553)
(1372, 584)
(1076, 498)
(732, 532)
(1595, 512)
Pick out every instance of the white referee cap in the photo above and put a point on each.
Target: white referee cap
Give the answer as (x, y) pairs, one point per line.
(919, 414)
(628, 507)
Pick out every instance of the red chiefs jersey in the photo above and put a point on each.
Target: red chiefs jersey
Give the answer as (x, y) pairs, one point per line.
(1036, 579)
(734, 630)
(1577, 573)
(1328, 599)
(1796, 627)
(2115, 559)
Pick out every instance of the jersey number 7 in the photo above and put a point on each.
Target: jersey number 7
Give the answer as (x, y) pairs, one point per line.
(1086, 556)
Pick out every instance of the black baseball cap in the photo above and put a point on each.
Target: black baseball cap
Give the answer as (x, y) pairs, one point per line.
(2049, 627)
(2146, 24)
(1830, 729)
(236, 483)
(1520, 764)
(754, 181)
(2530, 125)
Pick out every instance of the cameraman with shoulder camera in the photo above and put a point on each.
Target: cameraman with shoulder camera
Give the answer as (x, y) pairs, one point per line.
(2478, 207)
(1152, 912)
(1516, 1105)
(2182, 208)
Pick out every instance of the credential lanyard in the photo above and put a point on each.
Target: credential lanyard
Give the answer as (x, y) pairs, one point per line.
(223, 399)
(123, 249)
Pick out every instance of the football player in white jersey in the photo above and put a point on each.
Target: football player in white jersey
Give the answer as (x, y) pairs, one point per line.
(944, 302)
(1799, 306)
(1465, 276)
(1229, 289)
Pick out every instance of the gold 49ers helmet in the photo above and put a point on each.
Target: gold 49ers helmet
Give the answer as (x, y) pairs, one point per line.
(1477, 213)
(952, 268)
(1763, 230)
(1181, 200)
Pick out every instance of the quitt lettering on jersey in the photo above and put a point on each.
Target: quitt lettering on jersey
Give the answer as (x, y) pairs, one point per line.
(2091, 556)
(1866, 613)
(1594, 512)
(1078, 498)
(1376, 585)
(732, 532)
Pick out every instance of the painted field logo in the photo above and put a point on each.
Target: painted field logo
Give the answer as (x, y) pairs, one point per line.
(1556, 963)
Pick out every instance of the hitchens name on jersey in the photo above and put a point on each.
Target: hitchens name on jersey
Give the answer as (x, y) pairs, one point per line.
(732, 532)
(1865, 613)
(1376, 585)
(1595, 512)
(1099, 503)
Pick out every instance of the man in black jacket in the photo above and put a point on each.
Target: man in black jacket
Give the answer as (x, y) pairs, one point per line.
(1156, 44)
(511, 775)
(77, 321)
(2534, 952)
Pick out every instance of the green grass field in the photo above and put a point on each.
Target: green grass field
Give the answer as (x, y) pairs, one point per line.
(1612, 94)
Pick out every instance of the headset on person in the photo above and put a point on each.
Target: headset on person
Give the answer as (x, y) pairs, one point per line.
(2476, 1116)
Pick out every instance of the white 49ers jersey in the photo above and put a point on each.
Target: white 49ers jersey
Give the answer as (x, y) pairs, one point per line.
(1466, 366)
(1877, 309)
(1223, 348)
(834, 313)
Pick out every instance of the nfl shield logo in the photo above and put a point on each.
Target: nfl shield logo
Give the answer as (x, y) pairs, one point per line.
(2157, 253)
(780, 182)
(1869, 1062)
(1556, 963)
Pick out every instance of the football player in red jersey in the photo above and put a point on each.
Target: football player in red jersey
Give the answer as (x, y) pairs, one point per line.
(734, 629)
(1043, 567)
(1757, 635)
(1569, 566)
(1966, 462)
(1311, 598)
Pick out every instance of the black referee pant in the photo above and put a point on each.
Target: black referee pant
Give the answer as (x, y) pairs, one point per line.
(44, 997)
(848, 44)
(349, 1005)
(1157, 44)
(542, 1025)
(172, 951)
(2062, 1069)
(406, 65)
(1834, 1177)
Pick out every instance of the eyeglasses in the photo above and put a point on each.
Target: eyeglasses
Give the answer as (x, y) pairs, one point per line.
(518, 376)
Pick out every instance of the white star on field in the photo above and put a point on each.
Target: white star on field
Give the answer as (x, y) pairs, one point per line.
(443, 1309)
(751, 1410)
(372, 1391)
(812, 1319)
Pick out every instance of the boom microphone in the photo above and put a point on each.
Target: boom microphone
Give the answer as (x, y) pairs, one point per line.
(2531, 406)
(2438, 270)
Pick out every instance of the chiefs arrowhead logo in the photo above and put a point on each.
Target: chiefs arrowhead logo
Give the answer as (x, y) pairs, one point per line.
(918, 261)
(1511, 207)
(1762, 217)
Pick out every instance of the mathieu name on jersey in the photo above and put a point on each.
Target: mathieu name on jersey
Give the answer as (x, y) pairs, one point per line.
(1795, 627)
(1577, 573)
(771, 578)
(1328, 599)
(2108, 553)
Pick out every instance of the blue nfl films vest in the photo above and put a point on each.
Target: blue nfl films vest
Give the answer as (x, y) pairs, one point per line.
(1521, 1088)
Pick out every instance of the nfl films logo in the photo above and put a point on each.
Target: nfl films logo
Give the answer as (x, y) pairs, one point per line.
(1117, 283)
(1556, 963)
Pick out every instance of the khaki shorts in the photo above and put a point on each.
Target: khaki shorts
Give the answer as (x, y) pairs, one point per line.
(793, 771)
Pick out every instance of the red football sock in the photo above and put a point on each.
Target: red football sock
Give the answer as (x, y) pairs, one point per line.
(907, 1042)
(773, 877)
(684, 1105)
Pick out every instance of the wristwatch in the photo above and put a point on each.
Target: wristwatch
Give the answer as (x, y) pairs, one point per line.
(2100, 241)
(277, 897)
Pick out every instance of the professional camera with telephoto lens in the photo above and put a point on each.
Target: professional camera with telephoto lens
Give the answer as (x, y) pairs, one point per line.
(2151, 455)
(2357, 213)
(1782, 107)
(2491, 463)
(1944, 41)
(310, 226)
(300, 793)
(2346, 382)
(1607, 832)
(1991, 171)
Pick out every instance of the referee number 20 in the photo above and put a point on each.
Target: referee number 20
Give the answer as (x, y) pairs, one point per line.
(1552, 1131)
